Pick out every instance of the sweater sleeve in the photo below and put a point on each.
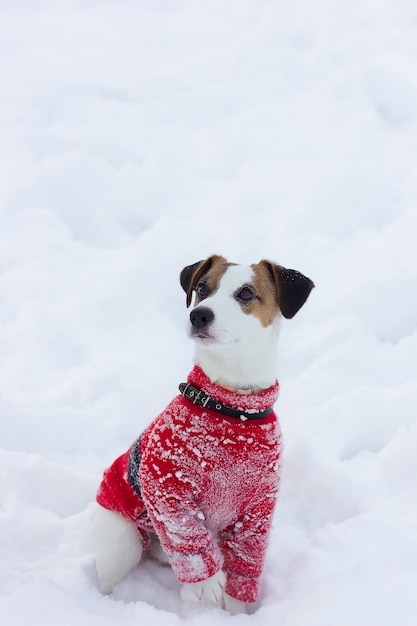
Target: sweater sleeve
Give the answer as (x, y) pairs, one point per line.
(170, 501)
(244, 546)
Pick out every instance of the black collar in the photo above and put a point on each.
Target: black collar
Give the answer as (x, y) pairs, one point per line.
(200, 397)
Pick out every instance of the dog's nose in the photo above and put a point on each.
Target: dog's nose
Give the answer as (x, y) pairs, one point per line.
(201, 317)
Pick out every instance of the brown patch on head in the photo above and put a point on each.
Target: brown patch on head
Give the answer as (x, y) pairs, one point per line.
(208, 272)
(277, 289)
(209, 281)
(265, 305)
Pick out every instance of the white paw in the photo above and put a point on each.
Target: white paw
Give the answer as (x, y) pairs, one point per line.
(209, 590)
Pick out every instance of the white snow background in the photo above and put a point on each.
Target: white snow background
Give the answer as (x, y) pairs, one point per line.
(137, 137)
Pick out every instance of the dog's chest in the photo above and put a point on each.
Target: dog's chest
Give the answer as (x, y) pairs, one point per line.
(224, 467)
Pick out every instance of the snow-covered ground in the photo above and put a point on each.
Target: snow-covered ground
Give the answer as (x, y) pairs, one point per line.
(136, 137)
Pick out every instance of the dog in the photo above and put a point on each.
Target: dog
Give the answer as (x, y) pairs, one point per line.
(198, 488)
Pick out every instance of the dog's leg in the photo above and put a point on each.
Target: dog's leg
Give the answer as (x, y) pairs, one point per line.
(118, 545)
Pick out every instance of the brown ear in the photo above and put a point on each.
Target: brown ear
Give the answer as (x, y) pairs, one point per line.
(292, 287)
(191, 274)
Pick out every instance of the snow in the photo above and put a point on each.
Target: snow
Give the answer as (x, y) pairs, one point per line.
(138, 137)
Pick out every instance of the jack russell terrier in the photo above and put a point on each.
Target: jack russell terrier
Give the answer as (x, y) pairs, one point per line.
(198, 488)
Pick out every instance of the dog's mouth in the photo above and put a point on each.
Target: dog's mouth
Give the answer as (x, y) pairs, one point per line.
(201, 336)
(205, 338)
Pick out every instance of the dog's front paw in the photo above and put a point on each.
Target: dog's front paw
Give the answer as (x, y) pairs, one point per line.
(209, 590)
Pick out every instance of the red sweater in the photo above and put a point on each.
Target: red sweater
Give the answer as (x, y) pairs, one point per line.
(208, 487)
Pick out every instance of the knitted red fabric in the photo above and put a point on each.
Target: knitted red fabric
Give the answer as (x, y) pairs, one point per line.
(209, 487)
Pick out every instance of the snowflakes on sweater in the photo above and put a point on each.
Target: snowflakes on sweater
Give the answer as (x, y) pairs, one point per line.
(208, 487)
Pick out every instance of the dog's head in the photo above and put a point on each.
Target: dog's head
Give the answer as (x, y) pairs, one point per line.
(261, 291)
(237, 307)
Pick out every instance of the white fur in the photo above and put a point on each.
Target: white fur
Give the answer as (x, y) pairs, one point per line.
(209, 590)
(240, 351)
(118, 547)
(212, 592)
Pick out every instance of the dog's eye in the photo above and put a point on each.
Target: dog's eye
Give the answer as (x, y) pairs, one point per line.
(202, 290)
(246, 294)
